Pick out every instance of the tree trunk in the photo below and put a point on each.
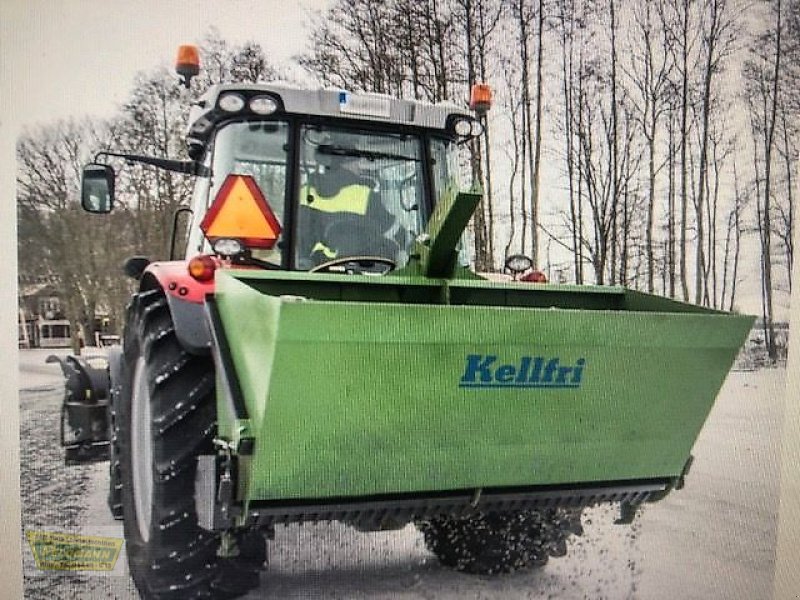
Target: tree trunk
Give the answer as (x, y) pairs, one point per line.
(769, 140)
(537, 149)
(787, 157)
(567, 80)
(671, 233)
(684, 142)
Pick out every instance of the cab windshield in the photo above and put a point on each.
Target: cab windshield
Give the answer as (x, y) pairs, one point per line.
(361, 195)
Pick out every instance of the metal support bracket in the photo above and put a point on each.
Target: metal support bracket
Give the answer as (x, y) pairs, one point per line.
(627, 513)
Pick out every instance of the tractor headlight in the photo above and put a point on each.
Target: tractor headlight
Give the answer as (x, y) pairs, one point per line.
(462, 128)
(476, 128)
(467, 127)
(228, 247)
(263, 105)
(231, 103)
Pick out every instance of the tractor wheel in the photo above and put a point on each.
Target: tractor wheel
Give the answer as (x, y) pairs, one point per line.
(166, 417)
(495, 543)
(114, 476)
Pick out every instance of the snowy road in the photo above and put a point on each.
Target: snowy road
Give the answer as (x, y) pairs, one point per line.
(713, 539)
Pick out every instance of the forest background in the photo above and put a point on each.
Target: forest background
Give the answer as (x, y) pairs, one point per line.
(647, 144)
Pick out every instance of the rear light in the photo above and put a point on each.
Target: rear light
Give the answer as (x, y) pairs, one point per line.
(202, 267)
(534, 277)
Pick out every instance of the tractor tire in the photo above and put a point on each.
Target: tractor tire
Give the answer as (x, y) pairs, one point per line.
(166, 418)
(496, 543)
(114, 474)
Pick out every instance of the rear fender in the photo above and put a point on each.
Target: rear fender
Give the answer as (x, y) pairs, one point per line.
(185, 296)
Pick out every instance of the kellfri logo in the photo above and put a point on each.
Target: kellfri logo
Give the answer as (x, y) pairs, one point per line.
(483, 371)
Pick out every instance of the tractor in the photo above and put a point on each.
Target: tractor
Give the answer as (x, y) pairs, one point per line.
(324, 352)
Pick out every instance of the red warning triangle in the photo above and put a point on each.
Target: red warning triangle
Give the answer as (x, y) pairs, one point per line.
(240, 211)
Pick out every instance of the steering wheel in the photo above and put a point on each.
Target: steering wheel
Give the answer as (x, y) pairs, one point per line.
(356, 265)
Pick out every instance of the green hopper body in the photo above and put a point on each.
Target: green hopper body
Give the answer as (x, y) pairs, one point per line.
(356, 386)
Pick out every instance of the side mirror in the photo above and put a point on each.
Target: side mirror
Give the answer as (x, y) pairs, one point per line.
(518, 263)
(97, 188)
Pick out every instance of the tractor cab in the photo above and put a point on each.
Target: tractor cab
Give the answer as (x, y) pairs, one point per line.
(312, 180)
(342, 181)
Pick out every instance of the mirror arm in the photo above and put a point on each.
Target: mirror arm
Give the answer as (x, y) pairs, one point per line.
(188, 167)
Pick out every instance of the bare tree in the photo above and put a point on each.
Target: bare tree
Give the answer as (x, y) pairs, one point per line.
(613, 155)
(734, 229)
(522, 16)
(568, 22)
(537, 142)
(763, 76)
(57, 240)
(650, 77)
(596, 140)
(477, 20)
(680, 26)
(349, 47)
(84, 253)
(784, 225)
(718, 35)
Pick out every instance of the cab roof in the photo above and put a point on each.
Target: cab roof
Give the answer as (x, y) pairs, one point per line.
(335, 103)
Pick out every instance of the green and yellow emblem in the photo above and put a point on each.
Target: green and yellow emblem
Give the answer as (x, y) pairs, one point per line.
(55, 551)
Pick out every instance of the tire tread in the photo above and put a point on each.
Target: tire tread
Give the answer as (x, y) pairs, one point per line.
(180, 559)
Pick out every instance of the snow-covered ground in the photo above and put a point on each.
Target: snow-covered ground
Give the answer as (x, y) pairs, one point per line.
(714, 539)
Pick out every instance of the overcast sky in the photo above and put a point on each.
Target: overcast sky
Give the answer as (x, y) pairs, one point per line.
(75, 57)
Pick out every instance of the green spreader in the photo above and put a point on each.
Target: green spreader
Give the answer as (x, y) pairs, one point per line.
(349, 387)
(326, 354)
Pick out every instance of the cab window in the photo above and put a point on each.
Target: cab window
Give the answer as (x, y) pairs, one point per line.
(361, 194)
(258, 149)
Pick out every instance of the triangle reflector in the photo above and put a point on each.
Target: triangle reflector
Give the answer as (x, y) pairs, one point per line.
(240, 211)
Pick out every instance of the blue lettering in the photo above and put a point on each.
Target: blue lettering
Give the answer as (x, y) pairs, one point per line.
(524, 367)
(562, 374)
(537, 370)
(476, 366)
(549, 370)
(505, 374)
(578, 371)
(482, 372)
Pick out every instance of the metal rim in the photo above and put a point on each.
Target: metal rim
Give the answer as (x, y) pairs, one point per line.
(142, 450)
